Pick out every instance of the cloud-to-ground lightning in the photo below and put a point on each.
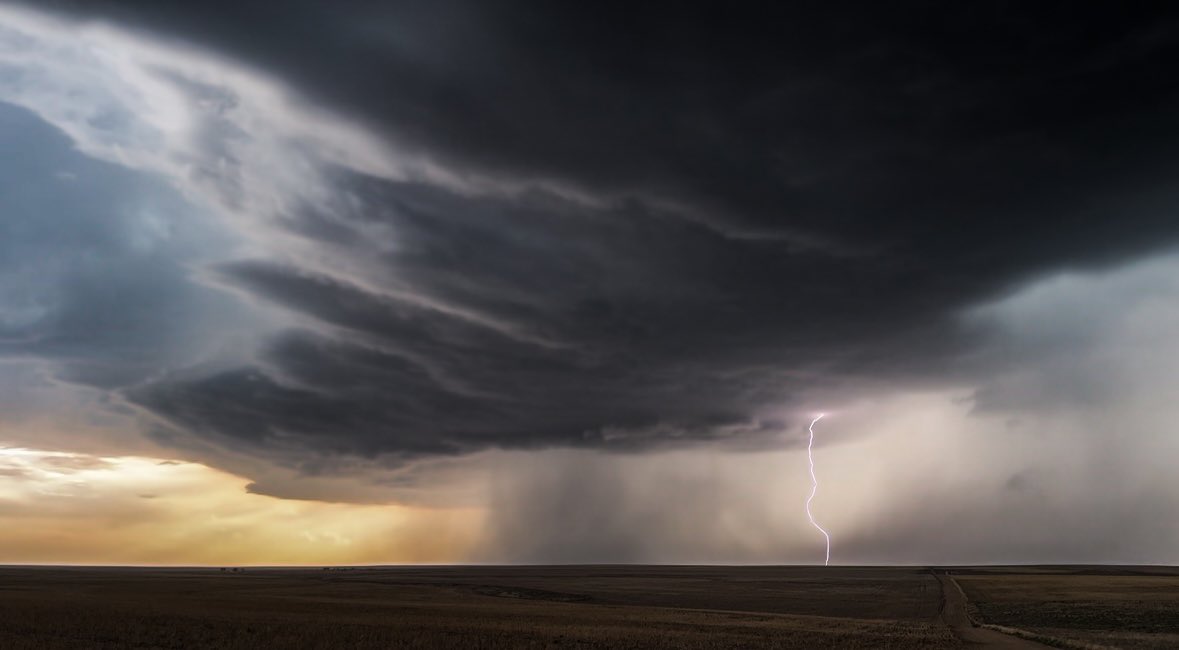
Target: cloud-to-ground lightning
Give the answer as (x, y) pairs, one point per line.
(815, 486)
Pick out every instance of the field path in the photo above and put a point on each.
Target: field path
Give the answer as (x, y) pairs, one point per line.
(954, 615)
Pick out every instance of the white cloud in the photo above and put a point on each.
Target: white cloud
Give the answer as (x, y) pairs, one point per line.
(236, 142)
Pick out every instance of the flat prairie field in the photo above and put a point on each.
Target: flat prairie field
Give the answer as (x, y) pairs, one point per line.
(1084, 606)
(582, 607)
(471, 607)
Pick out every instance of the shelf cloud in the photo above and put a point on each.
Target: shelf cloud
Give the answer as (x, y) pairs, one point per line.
(545, 262)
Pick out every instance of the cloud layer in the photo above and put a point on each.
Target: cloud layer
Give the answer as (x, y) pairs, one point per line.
(463, 233)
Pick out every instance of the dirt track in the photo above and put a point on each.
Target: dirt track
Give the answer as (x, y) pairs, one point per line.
(954, 615)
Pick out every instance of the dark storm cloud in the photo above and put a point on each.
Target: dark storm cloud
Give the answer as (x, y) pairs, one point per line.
(533, 322)
(720, 211)
(929, 133)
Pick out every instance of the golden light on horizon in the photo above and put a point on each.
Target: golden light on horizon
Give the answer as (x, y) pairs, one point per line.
(70, 508)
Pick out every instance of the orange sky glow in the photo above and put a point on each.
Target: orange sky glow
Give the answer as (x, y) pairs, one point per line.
(58, 507)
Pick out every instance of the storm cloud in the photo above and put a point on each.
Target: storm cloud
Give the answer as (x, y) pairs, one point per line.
(465, 229)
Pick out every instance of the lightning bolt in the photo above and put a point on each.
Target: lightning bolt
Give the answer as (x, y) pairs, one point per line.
(815, 486)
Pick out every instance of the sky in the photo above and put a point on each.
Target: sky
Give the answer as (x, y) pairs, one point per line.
(508, 282)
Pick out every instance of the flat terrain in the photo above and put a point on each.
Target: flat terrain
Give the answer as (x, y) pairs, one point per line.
(1121, 607)
(471, 607)
(575, 607)
(956, 614)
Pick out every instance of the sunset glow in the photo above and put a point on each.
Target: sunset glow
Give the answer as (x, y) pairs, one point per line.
(75, 508)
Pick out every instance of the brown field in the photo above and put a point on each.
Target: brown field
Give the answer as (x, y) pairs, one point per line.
(568, 607)
(471, 607)
(1121, 607)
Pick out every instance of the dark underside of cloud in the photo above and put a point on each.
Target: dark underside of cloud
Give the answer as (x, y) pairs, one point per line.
(728, 208)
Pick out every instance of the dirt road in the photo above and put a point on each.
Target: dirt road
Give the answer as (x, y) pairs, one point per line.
(954, 615)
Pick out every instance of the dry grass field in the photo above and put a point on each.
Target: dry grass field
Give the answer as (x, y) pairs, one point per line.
(578, 607)
(471, 607)
(1121, 607)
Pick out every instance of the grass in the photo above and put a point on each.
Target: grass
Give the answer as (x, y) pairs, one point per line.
(583, 607)
(1082, 607)
(479, 607)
